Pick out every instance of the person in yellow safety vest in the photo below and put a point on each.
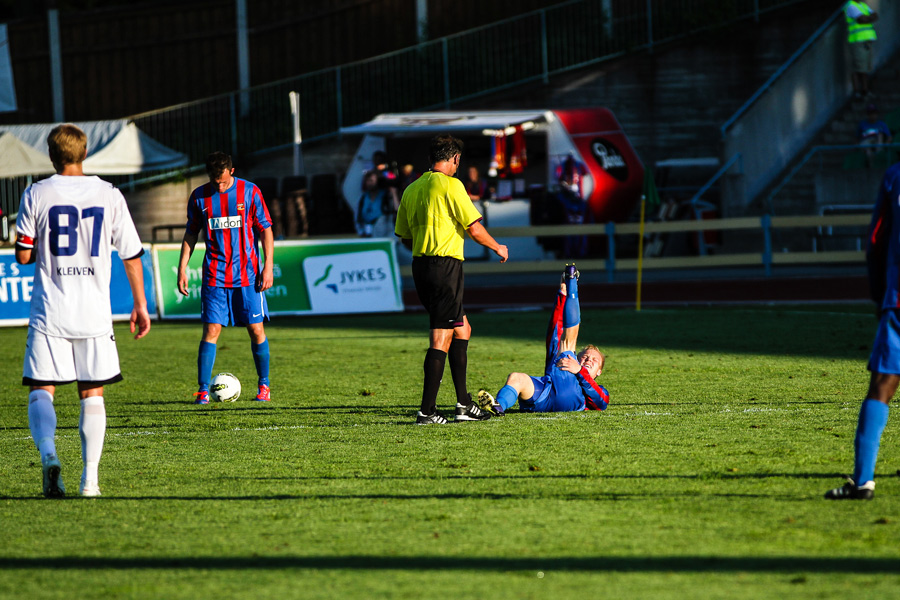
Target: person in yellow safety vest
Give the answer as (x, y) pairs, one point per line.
(861, 38)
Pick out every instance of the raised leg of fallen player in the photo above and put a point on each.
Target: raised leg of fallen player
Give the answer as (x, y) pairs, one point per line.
(562, 336)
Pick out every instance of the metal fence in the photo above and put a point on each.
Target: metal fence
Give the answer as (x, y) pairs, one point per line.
(488, 59)
(11, 189)
(531, 47)
(763, 252)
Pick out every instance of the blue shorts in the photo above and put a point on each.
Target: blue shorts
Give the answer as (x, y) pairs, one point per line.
(557, 391)
(886, 348)
(543, 397)
(233, 306)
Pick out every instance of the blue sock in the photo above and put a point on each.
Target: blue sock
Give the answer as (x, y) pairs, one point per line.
(572, 310)
(507, 397)
(206, 358)
(873, 416)
(261, 358)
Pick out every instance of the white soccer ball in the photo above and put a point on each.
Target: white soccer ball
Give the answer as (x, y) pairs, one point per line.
(225, 387)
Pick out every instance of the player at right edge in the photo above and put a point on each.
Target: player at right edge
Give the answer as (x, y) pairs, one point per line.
(883, 261)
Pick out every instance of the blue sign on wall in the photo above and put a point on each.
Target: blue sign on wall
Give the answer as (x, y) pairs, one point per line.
(16, 282)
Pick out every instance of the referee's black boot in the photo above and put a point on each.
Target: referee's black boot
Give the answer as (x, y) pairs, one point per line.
(471, 412)
(434, 418)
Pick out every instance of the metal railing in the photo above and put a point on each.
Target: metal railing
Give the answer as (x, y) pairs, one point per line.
(770, 82)
(852, 157)
(698, 204)
(765, 256)
(528, 48)
(11, 189)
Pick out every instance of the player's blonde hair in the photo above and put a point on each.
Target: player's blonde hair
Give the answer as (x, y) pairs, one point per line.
(66, 145)
(595, 349)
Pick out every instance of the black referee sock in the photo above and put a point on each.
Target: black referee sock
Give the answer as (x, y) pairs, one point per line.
(434, 372)
(459, 361)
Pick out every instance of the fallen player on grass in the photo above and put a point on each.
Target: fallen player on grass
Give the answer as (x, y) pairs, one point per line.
(568, 381)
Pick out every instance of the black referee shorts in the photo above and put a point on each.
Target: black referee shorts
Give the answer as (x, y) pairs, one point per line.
(439, 284)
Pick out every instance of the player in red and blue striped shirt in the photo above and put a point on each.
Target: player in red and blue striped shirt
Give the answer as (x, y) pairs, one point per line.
(233, 216)
(568, 381)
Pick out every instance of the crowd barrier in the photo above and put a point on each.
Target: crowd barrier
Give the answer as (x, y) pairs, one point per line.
(350, 275)
(765, 257)
(310, 278)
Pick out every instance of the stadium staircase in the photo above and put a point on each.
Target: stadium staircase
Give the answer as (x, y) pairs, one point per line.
(672, 102)
(844, 171)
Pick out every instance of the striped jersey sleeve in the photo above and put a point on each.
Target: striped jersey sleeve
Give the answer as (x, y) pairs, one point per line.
(596, 397)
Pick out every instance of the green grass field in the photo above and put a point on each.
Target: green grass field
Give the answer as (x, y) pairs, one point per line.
(704, 479)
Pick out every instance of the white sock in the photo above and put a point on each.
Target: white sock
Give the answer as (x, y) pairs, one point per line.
(92, 426)
(42, 421)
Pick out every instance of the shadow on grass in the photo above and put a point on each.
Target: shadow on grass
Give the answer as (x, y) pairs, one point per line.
(599, 478)
(426, 564)
(789, 330)
(599, 495)
(268, 408)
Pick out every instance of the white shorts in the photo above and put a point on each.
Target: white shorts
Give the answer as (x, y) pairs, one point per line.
(53, 360)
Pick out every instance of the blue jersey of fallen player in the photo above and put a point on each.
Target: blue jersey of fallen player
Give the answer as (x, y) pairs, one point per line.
(567, 391)
(232, 219)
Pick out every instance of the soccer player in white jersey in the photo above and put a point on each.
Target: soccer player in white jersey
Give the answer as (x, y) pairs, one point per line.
(67, 225)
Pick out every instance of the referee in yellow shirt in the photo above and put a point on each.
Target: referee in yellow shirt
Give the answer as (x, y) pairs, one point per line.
(434, 213)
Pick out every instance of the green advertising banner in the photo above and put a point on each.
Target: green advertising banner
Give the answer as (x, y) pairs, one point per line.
(324, 277)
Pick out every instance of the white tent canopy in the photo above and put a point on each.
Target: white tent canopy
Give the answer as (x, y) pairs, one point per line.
(18, 159)
(114, 148)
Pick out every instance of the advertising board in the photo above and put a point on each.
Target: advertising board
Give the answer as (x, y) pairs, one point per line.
(321, 277)
(17, 282)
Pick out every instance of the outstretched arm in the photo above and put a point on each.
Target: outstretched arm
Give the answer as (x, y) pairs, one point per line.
(140, 318)
(478, 233)
(267, 276)
(187, 248)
